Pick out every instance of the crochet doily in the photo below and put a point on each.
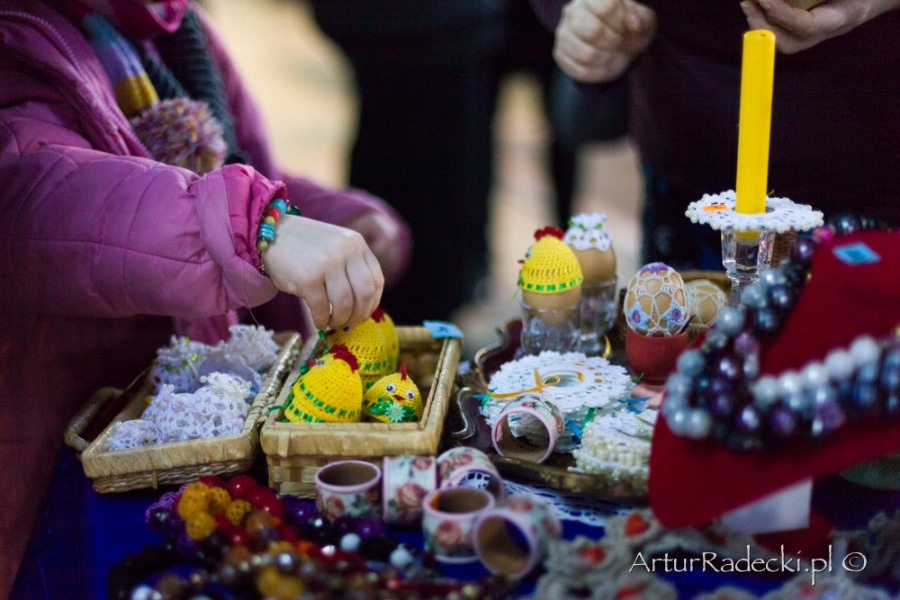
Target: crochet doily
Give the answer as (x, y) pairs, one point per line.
(781, 214)
(572, 381)
(588, 230)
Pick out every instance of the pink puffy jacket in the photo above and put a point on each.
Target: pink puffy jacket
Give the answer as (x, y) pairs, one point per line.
(104, 253)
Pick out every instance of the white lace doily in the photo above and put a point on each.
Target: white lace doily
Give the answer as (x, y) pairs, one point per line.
(572, 381)
(569, 506)
(132, 434)
(781, 214)
(588, 230)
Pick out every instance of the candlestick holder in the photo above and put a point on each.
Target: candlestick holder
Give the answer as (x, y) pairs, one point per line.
(748, 239)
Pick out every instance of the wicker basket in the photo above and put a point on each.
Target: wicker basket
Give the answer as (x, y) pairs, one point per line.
(177, 462)
(295, 451)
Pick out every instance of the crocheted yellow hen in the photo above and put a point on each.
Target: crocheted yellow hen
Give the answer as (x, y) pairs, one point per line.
(550, 277)
(391, 341)
(393, 399)
(329, 391)
(366, 341)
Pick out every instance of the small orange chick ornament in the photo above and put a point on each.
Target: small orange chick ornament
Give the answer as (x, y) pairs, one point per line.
(393, 399)
(366, 341)
(329, 391)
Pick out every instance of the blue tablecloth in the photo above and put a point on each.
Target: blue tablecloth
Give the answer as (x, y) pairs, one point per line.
(80, 535)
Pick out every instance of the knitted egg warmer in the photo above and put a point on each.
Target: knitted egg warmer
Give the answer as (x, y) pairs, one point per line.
(550, 265)
(390, 338)
(409, 409)
(330, 391)
(367, 342)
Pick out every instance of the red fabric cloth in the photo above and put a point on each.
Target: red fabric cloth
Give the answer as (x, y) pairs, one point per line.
(694, 482)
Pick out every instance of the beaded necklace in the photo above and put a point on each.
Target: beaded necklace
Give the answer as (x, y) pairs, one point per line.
(717, 392)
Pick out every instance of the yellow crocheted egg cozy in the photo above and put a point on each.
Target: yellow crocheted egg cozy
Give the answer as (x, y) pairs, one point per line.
(366, 342)
(390, 338)
(394, 398)
(550, 265)
(330, 391)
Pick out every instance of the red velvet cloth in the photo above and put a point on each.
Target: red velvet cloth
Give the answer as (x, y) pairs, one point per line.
(694, 482)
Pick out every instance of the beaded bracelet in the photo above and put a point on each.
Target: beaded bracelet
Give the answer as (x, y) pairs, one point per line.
(265, 233)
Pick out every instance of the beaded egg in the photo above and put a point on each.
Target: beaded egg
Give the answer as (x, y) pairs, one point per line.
(656, 302)
(391, 341)
(330, 391)
(394, 398)
(367, 342)
(706, 299)
(550, 277)
(589, 239)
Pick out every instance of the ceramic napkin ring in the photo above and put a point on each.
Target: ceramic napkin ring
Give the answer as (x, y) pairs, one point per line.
(528, 406)
(348, 487)
(406, 480)
(469, 467)
(449, 520)
(513, 537)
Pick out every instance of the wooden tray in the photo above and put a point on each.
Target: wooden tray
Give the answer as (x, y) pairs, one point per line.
(176, 462)
(295, 451)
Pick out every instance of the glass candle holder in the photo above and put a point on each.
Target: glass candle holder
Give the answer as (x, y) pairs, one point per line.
(599, 307)
(745, 255)
(550, 329)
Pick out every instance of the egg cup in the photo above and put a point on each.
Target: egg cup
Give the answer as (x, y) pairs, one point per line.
(599, 307)
(653, 357)
(554, 328)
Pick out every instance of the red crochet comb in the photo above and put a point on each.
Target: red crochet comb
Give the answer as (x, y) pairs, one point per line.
(549, 230)
(342, 352)
(378, 315)
(402, 371)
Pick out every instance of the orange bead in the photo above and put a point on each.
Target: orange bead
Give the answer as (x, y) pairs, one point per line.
(258, 520)
(236, 510)
(199, 525)
(272, 212)
(190, 505)
(219, 499)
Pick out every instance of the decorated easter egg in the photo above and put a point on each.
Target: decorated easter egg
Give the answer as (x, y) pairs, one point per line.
(366, 341)
(706, 299)
(591, 242)
(394, 398)
(656, 301)
(550, 277)
(328, 390)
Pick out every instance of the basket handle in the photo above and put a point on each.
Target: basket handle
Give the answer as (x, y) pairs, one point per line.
(83, 417)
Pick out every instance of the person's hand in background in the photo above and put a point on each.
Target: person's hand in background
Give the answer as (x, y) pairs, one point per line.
(330, 267)
(797, 29)
(597, 40)
(384, 237)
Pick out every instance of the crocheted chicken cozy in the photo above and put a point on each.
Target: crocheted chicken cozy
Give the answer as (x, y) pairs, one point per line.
(550, 266)
(367, 343)
(394, 398)
(330, 391)
(391, 341)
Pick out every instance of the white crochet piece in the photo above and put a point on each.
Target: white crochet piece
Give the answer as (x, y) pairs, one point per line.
(588, 230)
(176, 364)
(571, 380)
(132, 434)
(781, 214)
(218, 408)
(252, 345)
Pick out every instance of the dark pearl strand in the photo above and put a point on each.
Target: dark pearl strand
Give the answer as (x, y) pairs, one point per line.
(717, 393)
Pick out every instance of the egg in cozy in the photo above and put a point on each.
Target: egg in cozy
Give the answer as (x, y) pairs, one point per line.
(706, 300)
(328, 391)
(589, 239)
(366, 341)
(391, 340)
(394, 398)
(656, 302)
(550, 277)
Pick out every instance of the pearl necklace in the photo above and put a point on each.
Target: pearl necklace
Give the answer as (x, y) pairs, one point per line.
(717, 392)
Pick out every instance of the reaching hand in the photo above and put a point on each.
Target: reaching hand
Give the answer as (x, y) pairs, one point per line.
(596, 40)
(330, 267)
(383, 236)
(796, 29)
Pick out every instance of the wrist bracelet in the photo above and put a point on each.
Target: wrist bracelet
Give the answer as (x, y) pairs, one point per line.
(265, 233)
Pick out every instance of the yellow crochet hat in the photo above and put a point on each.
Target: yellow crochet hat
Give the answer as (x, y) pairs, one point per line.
(366, 341)
(390, 338)
(394, 398)
(550, 266)
(330, 391)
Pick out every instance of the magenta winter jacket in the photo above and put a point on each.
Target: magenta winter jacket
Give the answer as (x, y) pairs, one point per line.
(100, 246)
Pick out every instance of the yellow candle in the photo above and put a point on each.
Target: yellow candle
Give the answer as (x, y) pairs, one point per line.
(757, 75)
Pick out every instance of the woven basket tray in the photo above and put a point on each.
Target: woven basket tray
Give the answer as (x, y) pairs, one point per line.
(177, 462)
(295, 451)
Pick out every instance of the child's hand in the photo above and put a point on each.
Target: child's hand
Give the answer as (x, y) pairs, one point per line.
(330, 267)
(383, 236)
(796, 29)
(596, 40)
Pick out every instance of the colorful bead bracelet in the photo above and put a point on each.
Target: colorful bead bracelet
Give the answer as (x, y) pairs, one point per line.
(265, 233)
